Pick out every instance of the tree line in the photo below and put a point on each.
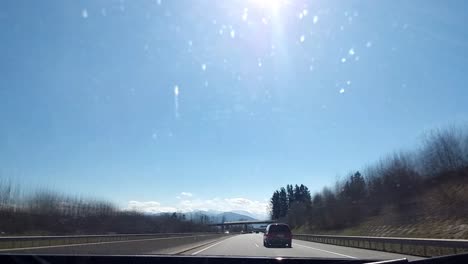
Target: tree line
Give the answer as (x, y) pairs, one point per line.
(46, 212)
(287, 202)
(392, 181)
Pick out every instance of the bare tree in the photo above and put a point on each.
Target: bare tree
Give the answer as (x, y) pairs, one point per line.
(443, 152)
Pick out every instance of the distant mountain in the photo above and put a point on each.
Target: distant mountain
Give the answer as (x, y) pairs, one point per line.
(231, 216)
(217, 216)
(214, 216)
(253, 215)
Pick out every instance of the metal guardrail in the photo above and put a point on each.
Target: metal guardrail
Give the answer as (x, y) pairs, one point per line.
(410, 246)
(16, 242)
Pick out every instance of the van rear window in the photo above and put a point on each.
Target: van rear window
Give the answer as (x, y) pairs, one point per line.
(279, 228)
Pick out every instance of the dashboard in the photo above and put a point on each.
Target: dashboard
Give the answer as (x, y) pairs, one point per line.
(84, 259)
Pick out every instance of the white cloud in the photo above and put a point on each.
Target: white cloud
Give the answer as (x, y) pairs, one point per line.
(186, 204)
(186, 194)
(149, 207)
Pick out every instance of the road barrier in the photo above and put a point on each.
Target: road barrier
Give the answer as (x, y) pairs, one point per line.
(408, 246)
(169, 239)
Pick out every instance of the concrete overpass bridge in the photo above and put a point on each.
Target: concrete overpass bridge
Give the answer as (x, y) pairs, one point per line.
(242, 223)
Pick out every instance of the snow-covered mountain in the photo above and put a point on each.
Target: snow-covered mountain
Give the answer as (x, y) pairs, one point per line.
(253, 215)
(217, 216)
(214, 216)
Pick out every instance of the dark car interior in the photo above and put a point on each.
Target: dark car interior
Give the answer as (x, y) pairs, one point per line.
(84, 259)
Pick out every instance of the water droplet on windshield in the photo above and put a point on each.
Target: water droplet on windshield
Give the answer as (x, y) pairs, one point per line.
(176, 101)
(245, 14)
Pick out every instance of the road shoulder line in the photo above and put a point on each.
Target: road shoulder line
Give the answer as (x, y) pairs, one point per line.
(179, 252)
(93, 243)
(331, 252)
(201, 250)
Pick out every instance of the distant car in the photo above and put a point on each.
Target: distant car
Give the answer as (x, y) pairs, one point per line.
(226, 232)
(277, 235)
(256, 231)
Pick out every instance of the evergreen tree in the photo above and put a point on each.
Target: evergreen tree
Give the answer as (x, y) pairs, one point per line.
(283, 203)
(290, 191)
(275, 206)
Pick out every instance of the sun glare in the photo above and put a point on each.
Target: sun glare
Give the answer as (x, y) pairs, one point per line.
(273, 6)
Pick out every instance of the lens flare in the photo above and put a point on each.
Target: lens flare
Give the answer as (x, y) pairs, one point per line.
(273, 6)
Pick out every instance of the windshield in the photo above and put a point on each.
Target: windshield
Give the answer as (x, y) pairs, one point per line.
(188, 126)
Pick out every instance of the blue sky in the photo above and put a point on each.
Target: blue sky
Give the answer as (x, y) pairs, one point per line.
(268, 93)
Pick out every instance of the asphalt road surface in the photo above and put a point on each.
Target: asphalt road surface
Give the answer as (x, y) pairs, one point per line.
(152, 246)
(236, 245)
(252, 245)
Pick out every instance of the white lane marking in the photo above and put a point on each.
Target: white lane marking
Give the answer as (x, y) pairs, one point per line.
(296, 244)
(208, 247)
(256, 245)
(94, 243)
(192, 247)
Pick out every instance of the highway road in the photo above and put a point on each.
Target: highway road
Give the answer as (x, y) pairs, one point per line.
(252, 245)
(235, 245)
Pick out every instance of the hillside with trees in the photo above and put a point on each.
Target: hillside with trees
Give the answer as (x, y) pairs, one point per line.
(420, 193)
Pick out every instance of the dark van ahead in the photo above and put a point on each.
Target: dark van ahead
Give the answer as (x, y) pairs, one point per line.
(277, 235)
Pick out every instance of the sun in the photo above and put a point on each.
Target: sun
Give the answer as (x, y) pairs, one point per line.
(273, 6)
